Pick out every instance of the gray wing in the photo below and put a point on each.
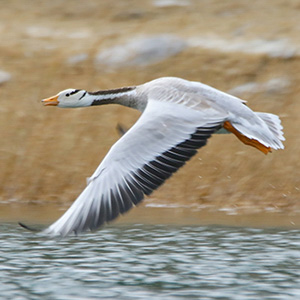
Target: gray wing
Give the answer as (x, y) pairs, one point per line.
(160, 142)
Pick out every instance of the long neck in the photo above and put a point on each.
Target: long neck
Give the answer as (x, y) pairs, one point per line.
(126, 96)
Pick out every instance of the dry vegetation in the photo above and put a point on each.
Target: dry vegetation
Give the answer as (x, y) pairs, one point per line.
(46, 153)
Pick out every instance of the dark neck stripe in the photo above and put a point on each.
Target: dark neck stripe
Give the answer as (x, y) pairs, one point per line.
(103, 101)
(114, 91)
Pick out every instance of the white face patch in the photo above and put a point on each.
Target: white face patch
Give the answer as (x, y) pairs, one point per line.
(72, 98)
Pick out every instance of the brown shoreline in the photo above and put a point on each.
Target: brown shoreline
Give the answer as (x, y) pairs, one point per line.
(45, 214)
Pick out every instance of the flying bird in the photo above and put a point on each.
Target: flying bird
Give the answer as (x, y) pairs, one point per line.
(178, 116)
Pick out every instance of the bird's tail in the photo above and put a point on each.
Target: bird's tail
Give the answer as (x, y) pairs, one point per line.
(264, 133)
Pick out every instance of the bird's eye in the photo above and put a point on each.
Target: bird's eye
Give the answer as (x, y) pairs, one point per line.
(68, 94)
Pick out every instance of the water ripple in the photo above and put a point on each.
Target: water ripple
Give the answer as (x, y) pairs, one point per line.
(152, 262)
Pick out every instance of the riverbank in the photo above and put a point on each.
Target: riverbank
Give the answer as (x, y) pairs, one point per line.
(45, 213)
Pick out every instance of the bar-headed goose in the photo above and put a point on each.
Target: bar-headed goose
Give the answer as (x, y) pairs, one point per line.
(178, 116)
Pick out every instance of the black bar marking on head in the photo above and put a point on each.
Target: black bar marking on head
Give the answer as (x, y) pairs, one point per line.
(82, 96)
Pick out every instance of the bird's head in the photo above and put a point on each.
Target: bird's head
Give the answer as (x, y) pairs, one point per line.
(68, 98)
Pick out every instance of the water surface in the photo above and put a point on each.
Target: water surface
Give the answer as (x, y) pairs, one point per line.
(152, 262)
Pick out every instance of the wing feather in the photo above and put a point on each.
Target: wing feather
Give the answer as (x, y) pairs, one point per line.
(162, 140)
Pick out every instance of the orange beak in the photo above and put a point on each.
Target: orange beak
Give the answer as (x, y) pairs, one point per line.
(50, 101)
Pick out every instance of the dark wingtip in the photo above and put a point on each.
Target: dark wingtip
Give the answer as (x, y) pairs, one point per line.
(28, 228)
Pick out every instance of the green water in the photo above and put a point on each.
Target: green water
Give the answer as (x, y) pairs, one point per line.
(152, 262)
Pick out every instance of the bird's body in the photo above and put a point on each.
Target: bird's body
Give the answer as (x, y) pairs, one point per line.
(178, 117)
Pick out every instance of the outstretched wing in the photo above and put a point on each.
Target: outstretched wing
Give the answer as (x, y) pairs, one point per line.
(161, 141)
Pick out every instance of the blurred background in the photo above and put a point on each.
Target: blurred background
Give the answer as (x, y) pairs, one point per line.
(248, 48)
